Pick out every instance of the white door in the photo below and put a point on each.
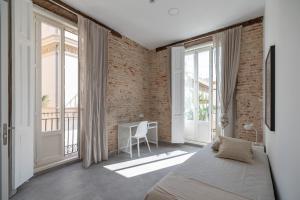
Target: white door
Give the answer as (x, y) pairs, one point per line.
(198, 95)
(177, 73)
(22, 91)
(4, 189)
(56, 92)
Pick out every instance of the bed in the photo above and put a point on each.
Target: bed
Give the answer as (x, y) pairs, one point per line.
(205, 177)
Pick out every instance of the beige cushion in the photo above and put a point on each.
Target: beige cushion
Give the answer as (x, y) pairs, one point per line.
(235, 149)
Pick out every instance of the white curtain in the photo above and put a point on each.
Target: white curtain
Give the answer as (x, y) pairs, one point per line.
(93, 73)
(227, 59)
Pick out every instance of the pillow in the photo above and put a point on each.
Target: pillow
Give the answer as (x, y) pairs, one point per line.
(235, 149)
(216, 144)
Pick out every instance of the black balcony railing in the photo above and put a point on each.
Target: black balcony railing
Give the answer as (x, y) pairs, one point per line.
(51, 123)
(71, 132)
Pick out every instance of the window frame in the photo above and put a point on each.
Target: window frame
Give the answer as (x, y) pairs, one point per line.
(43, 16)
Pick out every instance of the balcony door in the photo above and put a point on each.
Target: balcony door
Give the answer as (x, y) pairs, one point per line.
(199, 95)
(56, 92)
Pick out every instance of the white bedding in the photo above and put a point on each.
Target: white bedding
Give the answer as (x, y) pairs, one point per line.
(215, 178)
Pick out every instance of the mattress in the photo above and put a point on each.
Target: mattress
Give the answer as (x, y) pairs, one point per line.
(205, 177)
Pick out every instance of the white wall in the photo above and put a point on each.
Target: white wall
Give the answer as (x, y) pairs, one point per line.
(282, 28)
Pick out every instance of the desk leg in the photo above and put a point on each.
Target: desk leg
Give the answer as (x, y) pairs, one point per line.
(118, 140)
(156, 132)
(130, 143)
(138, 146)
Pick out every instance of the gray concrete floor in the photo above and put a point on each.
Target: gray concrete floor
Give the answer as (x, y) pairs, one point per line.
(72, 182)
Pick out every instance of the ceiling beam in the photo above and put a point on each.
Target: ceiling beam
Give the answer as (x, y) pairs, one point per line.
(60, 8)
(246, 23)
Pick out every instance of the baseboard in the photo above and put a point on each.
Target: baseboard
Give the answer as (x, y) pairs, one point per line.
(54, 166)
(195, 145)
(273, 180)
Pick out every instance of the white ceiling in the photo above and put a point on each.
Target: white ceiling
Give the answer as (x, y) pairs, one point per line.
(151, 26)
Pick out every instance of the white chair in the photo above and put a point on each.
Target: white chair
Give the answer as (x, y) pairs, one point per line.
(141, 132)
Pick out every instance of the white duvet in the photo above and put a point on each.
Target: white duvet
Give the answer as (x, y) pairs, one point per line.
(205, 177)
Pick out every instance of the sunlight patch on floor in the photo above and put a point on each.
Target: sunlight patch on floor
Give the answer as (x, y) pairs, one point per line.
(140, 161)
(153, 166)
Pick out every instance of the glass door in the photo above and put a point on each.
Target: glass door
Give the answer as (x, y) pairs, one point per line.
(56, 92)
(71, 84)
(190, 103)
(198, 95)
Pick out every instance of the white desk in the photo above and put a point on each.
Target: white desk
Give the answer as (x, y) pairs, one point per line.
(126, 130)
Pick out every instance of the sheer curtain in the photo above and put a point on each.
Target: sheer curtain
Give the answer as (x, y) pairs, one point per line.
(93, 72)
(227, 58)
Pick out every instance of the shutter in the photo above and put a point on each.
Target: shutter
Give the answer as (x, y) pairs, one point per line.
(177, 67)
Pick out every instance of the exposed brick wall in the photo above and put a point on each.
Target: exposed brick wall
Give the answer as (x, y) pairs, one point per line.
(138, 82)
(160, 101)
(128, 85)
(249, 89)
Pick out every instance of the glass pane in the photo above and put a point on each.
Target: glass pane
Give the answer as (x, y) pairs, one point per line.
(50, 78)
(189, 87)
(203, 83)
(71, 92)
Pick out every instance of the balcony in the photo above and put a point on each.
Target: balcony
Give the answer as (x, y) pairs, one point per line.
(51, 124)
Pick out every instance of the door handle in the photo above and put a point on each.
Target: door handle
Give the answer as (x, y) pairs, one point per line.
(5, 134)
(6, 128)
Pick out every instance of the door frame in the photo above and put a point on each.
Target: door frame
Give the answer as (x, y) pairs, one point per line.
(194, 51)
(41, 15)
(4, 102)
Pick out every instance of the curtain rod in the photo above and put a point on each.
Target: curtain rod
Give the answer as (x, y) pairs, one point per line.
(205, 35)
(78, 12)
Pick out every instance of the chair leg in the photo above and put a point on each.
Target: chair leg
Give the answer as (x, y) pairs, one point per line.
(147, 143)
(138, 146)
(130, 147)
(128, 143)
